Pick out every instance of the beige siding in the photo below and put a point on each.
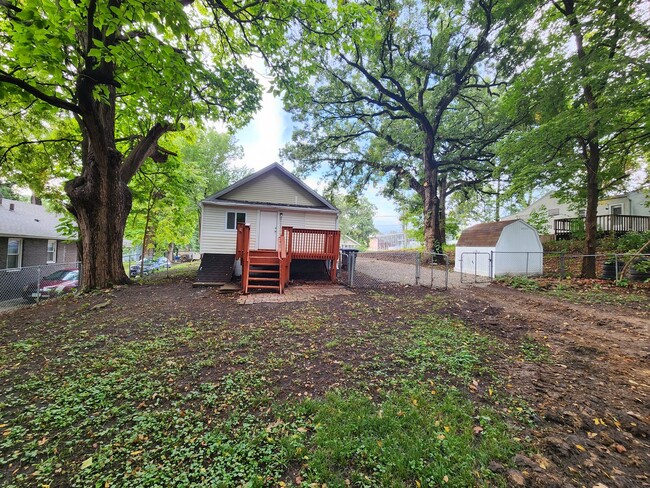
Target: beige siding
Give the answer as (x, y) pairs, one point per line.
(324, 221)
(293, 219)
(215, 238)
(273, 188)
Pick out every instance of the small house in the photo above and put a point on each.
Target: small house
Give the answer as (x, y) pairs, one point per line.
(508, 247)
(29, 236)
(262, 227)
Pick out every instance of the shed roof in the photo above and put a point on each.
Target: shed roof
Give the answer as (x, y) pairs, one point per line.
(28, 220)
(483, 235)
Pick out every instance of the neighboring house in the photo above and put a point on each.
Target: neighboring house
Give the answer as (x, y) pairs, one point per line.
(391, 242)
(268, 202)
(28, 236)
(348, 243)
(618, 214)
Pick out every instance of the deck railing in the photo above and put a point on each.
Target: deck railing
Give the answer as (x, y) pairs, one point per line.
(313, 244)
(615, 224)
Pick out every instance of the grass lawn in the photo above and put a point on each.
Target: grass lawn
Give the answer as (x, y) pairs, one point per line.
(162, 384)
(378, 389)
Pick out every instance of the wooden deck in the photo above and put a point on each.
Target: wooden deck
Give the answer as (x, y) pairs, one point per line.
(613, 224)
(270, 270)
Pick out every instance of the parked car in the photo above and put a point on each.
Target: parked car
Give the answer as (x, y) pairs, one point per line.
(57, 283)
(148, 268)
(161, 263)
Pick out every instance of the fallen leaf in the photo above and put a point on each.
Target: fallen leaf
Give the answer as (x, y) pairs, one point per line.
(418, 484)
(414, 401)
(87, 463)
(301, 429)
(42, 441)
(580, 447)
(441, 437)
(445, 478)
(477, 429)
(619, 448)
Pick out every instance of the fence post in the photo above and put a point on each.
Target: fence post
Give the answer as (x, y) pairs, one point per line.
(475, 266)
(562, 268)
(527, 257)
(447, 271)
(491, 265)
(352, 263)
(417, 268)
(38, 284)
(616, 266)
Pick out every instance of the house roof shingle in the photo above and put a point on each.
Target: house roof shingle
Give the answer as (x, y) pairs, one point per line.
(28, 220)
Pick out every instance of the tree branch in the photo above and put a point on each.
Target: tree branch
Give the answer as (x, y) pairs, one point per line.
(50, 99)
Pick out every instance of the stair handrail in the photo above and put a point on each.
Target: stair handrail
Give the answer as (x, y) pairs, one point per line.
(242, 252)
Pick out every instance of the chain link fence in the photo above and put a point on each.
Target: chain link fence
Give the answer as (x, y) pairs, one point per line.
(482, 267)
(31, 284)
(377, 269)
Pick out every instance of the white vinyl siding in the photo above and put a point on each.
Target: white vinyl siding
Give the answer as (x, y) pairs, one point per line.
(293, 219)
(51, 251)
(310, 220)
(323, 221)
(215, 238)
(273, 187)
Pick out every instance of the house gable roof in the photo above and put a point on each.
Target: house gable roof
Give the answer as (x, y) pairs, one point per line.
(234, 192)
(28, 220)
(484, 235)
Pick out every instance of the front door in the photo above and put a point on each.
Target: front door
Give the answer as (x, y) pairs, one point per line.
(268, 237)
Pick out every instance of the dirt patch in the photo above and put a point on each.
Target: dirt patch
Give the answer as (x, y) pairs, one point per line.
(581, 371)
(592, 395)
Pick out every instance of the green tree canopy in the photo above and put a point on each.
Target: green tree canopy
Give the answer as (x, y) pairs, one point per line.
(127, 72)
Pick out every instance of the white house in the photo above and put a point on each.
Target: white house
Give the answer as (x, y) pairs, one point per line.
(499, 248)
(266, 201)
(632, 204)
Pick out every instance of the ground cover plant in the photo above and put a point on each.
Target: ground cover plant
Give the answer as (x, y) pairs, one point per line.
(160, 384)
(585, 291)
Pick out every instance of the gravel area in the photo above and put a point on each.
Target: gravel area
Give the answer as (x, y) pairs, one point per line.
(372, 271)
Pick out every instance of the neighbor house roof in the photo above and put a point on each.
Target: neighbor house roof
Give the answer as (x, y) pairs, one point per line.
(483, 235)
(221, 196)
(28, 220)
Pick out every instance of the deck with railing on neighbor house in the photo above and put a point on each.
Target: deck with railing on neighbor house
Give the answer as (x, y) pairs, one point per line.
(271, 269)
(612, 224)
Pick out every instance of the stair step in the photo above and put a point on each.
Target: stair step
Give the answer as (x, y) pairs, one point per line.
(263, 263)
(264, 287)
(253, 278)
(266, 271)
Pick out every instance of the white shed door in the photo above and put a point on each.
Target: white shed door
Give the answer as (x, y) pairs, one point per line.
(268, 238)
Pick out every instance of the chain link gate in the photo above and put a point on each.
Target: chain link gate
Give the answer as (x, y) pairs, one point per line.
(377, 269)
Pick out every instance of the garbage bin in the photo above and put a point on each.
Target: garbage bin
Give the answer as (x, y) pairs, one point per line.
(345, 257)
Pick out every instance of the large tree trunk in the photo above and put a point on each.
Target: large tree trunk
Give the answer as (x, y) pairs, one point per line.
(592, 156)
(101, 203)
(432, 233)
(442, 199)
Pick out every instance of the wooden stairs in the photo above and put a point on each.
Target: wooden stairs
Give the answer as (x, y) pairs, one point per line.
(269, 270)
(264, 270)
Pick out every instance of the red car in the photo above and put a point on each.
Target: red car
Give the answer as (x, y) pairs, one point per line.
(57, 283)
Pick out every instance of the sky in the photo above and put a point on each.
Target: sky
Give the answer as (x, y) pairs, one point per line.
(271, 129)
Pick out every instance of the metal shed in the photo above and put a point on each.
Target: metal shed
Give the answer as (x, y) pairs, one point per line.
(509, 247)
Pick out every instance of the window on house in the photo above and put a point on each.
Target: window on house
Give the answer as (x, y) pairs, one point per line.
(234, 218)
(616, 209)
(582, 213)
(553, 211)
(51, 251)
(14, 253)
